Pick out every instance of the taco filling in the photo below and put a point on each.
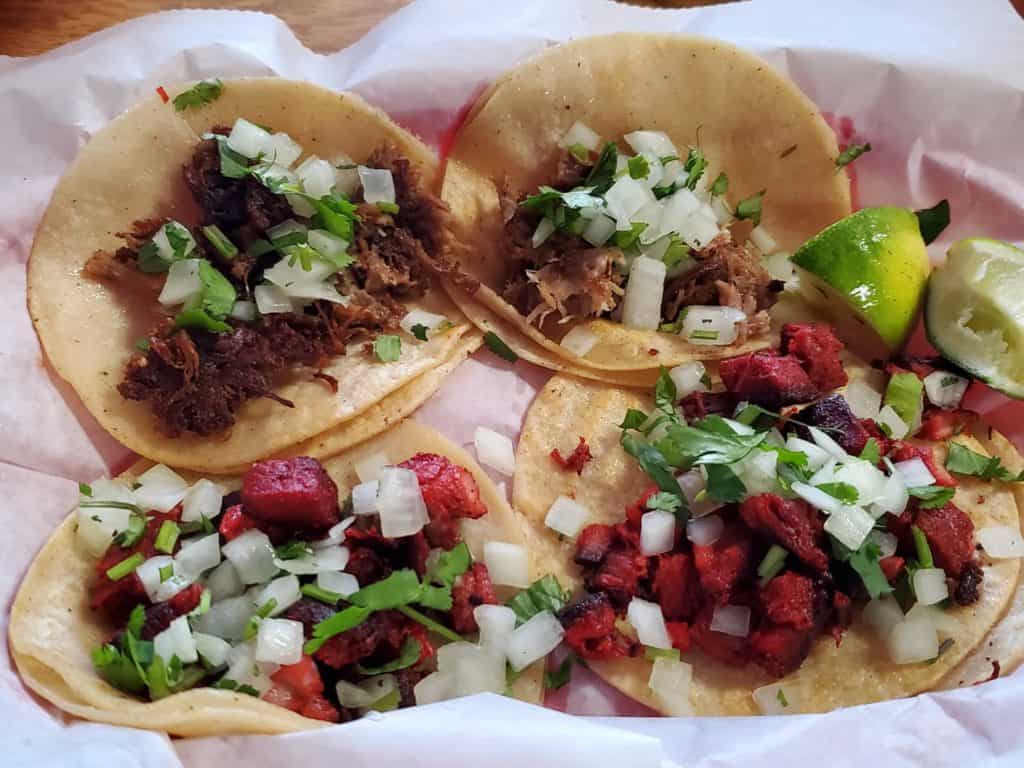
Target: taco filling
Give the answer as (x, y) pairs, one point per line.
(646, 239)
(327, 610)
(286, 268)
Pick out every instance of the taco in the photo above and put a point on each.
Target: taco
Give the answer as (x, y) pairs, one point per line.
(776, 535)
(625, 221)
(218, 609)
(276, 274)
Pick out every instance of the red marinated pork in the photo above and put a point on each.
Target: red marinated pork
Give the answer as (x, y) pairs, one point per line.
(950, 535)
(940, 425)
(309, 613)
(471, 589)
(767, 379)
(779, 650)
(450, 493)
(793, 610)
(234, 522)
(593, 544)
(576, 460)
(734, 651)
(902, 451)
(789, 599)
(725, 563)
(298, 687)
(160, 616)
(700, 404)
(382, 631)
(676, 586)
(590, 629)
(817, 348)
(619, 575)
(833, 415)
(792, 523)
(892, 567)
(296, 492)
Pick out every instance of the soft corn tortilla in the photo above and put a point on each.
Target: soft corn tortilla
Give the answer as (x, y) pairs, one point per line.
(753, 123)
(52, 629)
(132, 170)
(857, 672)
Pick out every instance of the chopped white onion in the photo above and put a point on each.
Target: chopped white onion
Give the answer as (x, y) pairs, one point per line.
(698, 228)
(495, 450)
(97, 526)
(223, 582)
(655, 142)
(271, 299)
(545, 228)
(508, 564)
(650, 216)
(711, 326)
(213, 650)
(335, 534)
(248, 139)
(914, 473)
(765, 242)
(159, 589)
(282, 149)
(346, 175)
(816, 457)
(883, 614)
(911, 642)
(198, 555)
(827, 474)
(227, 618)
(252, 554)
(364, 498)
(202, 500)
(721, 210)
(945, 389)
(284, 591)
(327, 244)
(894, 497)
(689, 378)
(863, 399)
(316, 175)
(670, 682)
(778, 265)
(598, 230)
(340, 583)
(817, 498)
(897, 427)
(885, 541)
(826, 443)
(378, 185)
(759, 472)
(533, 640)
(472, 669)
(580, 133)
(641, 305)
(279, 641)
(160, 489)
(566, 516)
(287, 227)
(705, 531)
(579, 340)
(496, 622)
(305, 285)
(400, 503)
(692, 483)
(865, 477)
(1001, 541)
(731, 620)
(431, 689)
(782, 698)
(177, 640)
(325, 558)
(649, 622)
(245, 670)
(369, 467)
(945, 622)
(930, 586)
(657, 532)
(849, 525)
(625, 197)
(428, 320)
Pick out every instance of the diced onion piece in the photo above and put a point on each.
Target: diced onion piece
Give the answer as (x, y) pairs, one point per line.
(930, 585)
(670, 682)
(816, 498)
(885, 541)
(248, 139)
(739, 427)
(252, 555)
(279, 641)
(316, 175)
(945, 622)
(566, 516)
(331, 558)
(211, 649)
(346, 175)
(160, 489)
(897, 427)
(1001, 541)
(327, 244)
(641, 306)
(816, 457)
(340, 583)
(827, 474)
(705, 531)
(287, 227)
(598, 230)
(765, 242)
(284, 591)
(657, 532)
(533, 640)
(850, 526)
(471, 669)
(698, 228)
(883, 614)
(826, 443)
(894, 496)
(428, 320)
(865, 477)
(496, 623)
(759, 472)
(223, 582)
(782, 698)
(364, 498)
(914, 473)
(199, 555)
(579, 340)
(650, 216)
(624, 198)
(177, 640)
(158, 589)
(864, 400)
(911, 642)
(689, 378)
(656, 143)
(245, 670)
(711, 326)
(580, 133)
(721, 210)
(431, 689)
(545, 228)
(282, 149)
(508, 564)
(649, 622)
(495, 450)
(202, 500)
(945, 389)
(97, 526)
(400, 503)
(271, 299)
(370, 467)
(378, 185)
(731, 620)
(227, 618)
(778, 265)
(335, 534)
(693, 483)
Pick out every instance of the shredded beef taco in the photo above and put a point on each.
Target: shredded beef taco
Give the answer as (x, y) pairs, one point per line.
(222, 282)
(625, 198)
(298, 594)
(785, 531)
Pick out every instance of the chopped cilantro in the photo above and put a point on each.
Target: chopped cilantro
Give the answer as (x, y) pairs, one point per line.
(495, 343)
(638, 167)
(556, 678)
(924, 551)
(602, 175)
(871, 452)
(772, 563)
(964, 461)
(199, 94)
(387, 347)
(220, 241)
(85, 489)
(420, 331)
(634, 419)
(545, 594)
(865, 562)
(580, 152)
(720, 185)
(232, 164)
(850, 154)
(694, 167)
(340, 622)
(932, 496)
(407, 656)
(293, 550)
(627, 239)
(750, 208)
(665, 502)
(450, 565)
(201, 320)
(320, 594)
(845, 492)
(654, 464)
(782, 698)
(130, 536)
(724, 485)
(400, 588)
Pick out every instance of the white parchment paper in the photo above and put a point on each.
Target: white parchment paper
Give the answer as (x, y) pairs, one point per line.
(938, 89)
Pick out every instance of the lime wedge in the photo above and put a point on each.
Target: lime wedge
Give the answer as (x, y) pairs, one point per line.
(868, 273)
(974, 313)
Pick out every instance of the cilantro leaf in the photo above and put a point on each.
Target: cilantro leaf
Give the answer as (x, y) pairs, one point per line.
(932, 496)
(724, 485)
(674, 255)
(634, 419)
(562, 208)
(850, 154)
(400, 588)
(721, 185)
(694, 167)
(871, 452)
(340, 622)
(932, 221)
(293, 550)
(638, 167)
(665, 395)
(556, 678)
(130, 536)
(338, 215)
(602, 175)
(117, 668)
(438, 598)
(419, 331)
(627, 239)
(865, 562)
(409, 655)
(654, 464)
(666, 502)
(545, 594)
(450, 565)
(233, 165)
(387, 347)
(218, 294)
(495, 343)
(199, 94)
(845, 492)
(750, 208)
(685, 446)
(750, 414)
(964, 461)
(198, 318)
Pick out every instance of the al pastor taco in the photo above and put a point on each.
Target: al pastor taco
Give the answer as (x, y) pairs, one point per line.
(276, 274)
(298, 594)
(625, 199)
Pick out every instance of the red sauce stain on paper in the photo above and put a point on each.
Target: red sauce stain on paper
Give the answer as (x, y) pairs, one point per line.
(438, 127)
(846, 134)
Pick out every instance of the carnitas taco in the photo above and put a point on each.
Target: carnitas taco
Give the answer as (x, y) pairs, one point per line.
(626, 200)
(221, 282)
(787, 531)
(299, 594)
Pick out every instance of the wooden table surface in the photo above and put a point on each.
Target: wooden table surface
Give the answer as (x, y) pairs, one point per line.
(29, 27)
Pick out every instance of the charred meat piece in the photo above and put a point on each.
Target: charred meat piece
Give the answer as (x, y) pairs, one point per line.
(968, 586)
(788, 599)
(794, 612)
(734, 651)
(471, 589)
(817, 348)
(700, 404)
(792, 523)
(382, 631)
(296, 492)
(833, 415)
(160, 616)
(767, 379)
(309, 613)
(594, 543)
(950, 535)
(450, 493)
(619, 574)
(676, 586)
(726, 563)
(779, 650)
(590, 629)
